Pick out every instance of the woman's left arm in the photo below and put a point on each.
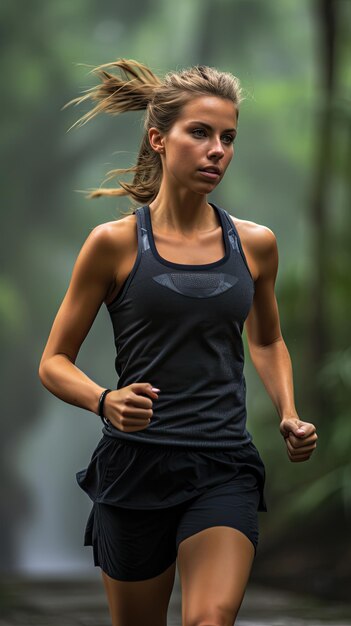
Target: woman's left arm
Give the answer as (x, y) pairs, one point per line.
(268, 350)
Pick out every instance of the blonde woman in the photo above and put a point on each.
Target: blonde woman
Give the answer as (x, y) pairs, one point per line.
(176, 477)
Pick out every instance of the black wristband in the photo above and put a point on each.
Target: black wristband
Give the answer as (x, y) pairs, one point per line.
(101, 404)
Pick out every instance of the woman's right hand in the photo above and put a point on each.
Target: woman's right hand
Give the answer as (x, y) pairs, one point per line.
(127, 409)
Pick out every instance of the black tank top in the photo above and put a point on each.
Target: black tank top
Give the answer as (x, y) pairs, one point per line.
(179, 327)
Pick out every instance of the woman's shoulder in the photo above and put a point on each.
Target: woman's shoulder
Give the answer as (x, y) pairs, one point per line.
(259, 245)
(256, 237)
(116, 234)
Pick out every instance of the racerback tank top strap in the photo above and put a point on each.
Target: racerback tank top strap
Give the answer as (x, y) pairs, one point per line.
(179, 326)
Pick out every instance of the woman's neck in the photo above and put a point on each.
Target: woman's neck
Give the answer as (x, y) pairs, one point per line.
(182, 212)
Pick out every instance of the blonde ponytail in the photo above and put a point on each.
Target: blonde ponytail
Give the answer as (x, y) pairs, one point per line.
(130, 92)
(139, 88)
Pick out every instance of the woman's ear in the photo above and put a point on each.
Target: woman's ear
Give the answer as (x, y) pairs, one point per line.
(156, 140)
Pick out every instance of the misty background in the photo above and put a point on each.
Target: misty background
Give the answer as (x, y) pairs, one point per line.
(290, 172)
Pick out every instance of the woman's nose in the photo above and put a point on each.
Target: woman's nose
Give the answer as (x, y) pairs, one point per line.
(216, 149)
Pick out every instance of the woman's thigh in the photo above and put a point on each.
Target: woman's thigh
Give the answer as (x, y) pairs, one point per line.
(214, 567)
(136, 552)
(134, 545)
(216, 541)
(142, 602)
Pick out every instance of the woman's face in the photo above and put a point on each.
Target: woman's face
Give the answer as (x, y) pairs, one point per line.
(198, 148)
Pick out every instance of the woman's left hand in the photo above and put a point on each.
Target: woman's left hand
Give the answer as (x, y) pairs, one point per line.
(300, 438)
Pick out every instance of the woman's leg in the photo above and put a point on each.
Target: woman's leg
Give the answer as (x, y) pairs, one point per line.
(140, 603)
(216, 543)
(214, 568)
(136, 552)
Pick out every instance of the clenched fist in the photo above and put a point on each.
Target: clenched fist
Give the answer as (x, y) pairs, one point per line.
(128, 409)
(300, 438)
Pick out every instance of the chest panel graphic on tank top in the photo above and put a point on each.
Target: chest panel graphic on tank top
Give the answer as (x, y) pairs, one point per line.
(195, 285)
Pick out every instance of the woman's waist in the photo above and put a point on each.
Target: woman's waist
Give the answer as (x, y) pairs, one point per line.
(225, 433)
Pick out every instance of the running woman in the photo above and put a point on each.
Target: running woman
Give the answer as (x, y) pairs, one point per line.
(176, 477)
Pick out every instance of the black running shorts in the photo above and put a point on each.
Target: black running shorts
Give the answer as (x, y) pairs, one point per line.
(137, 544)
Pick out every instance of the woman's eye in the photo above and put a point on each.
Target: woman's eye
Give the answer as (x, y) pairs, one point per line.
(199, 132)
(228, 139)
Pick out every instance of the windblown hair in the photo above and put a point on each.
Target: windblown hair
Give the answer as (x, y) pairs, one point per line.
(137, 88)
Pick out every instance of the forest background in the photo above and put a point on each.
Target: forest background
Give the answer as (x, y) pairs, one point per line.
(291, 172)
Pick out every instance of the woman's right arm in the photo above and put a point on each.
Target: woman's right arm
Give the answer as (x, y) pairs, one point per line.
(127, 408)
(91, 280)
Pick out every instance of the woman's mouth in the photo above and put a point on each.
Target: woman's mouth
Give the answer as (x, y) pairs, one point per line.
(212, 174)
